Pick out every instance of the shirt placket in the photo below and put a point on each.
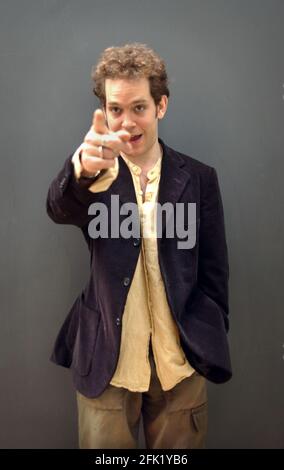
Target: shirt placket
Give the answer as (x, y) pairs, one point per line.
(148, 211)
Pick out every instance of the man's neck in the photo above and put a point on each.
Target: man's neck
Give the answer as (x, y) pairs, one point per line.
(148, 160)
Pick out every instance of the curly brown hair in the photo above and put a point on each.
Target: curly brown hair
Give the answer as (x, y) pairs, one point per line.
(131, 61)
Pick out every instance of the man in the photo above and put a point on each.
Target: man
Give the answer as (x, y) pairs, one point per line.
(150, 327)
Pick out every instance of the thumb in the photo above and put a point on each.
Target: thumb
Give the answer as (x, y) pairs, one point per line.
(124, 135)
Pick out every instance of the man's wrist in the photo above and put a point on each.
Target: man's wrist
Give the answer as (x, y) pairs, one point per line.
(85, 174)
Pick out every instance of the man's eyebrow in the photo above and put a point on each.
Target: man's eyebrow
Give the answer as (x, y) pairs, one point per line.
(142, 100)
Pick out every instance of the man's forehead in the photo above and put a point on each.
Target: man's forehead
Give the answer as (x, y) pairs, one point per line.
(123, 90)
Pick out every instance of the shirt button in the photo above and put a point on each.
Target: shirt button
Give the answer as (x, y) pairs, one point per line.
(126, 281)
(118, 321)
(136, 242)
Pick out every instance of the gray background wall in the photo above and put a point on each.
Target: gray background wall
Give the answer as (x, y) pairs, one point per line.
(225, 63)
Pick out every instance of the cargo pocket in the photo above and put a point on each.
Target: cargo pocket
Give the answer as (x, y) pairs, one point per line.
(199, 419)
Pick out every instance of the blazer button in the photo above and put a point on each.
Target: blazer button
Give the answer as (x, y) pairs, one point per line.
(126, 281)
(136, 242)
(118, 321)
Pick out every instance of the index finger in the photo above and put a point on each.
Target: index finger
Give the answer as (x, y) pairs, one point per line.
(99, 122)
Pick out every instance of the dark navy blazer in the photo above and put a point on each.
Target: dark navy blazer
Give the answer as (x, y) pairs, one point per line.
(195, 279)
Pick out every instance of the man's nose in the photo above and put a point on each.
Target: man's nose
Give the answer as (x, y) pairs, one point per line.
(128, 123)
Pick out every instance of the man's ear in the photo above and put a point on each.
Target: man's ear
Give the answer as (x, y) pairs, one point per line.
(162, 107)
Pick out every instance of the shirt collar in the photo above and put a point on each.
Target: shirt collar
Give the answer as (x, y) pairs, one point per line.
(152, 174)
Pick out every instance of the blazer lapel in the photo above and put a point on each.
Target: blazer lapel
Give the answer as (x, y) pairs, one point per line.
(123, 184)
(173, 178)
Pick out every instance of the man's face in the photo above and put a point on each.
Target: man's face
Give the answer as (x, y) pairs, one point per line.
(130, 107)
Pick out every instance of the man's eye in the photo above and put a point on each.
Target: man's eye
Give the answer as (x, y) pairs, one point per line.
(116, 110)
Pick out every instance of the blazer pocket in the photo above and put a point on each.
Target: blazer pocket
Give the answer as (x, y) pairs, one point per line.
(89, 321)
(206, 310)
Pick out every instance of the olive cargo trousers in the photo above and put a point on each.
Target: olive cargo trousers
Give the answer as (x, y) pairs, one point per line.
(174, 419)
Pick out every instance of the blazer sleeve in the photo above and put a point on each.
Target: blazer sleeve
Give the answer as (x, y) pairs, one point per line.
(213, 268)
(69, 197)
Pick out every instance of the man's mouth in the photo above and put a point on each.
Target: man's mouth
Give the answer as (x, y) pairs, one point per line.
(135, 138)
